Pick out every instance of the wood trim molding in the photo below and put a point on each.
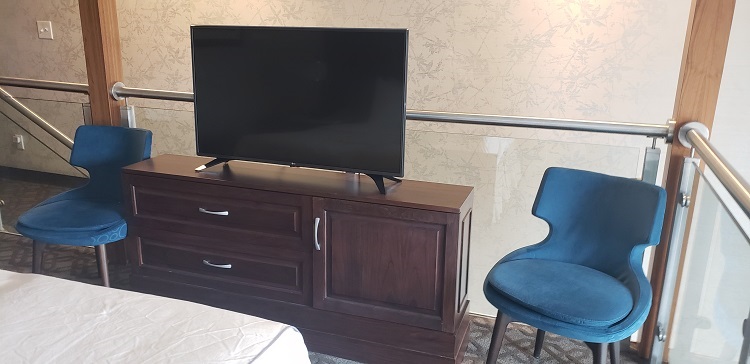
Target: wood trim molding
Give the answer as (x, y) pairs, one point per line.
(697, 94)
(101, 44)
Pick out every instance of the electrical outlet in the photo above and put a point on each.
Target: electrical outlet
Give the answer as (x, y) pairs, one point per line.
(18, 141)
(44, 29)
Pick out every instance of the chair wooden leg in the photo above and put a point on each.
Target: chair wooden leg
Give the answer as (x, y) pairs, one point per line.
(538, 343)
(498, 333)
(614, 352)
(101, 254)
(37, 248)
(600, 352)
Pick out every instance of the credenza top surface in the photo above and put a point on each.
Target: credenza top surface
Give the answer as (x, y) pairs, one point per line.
(313, 182)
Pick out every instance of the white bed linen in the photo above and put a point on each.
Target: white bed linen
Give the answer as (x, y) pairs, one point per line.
(51, 320)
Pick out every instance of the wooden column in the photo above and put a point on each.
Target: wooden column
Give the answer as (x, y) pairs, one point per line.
(101, 43)
(697, 94)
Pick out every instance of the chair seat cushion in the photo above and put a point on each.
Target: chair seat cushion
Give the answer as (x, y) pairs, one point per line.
(74, 222)
(73, 215)
(563, 291)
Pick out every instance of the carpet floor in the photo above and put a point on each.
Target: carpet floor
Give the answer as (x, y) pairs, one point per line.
(79, 264)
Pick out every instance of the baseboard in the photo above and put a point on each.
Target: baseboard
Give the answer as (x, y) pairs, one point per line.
(480, 315)
(27, 175)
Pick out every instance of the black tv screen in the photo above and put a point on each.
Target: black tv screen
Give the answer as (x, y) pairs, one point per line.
(330, 98)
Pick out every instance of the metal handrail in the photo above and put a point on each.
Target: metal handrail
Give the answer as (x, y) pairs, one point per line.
(737, 187)
(119, 91)
(36, 119)
(650, 130)
(45, 85)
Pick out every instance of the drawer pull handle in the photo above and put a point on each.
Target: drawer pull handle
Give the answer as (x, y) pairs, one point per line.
(222, 266)
(221, 213)
(317, 223)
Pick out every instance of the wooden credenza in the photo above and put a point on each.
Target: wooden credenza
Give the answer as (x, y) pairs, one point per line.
(364, 276)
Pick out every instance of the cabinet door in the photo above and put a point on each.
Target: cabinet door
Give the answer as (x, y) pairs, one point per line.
(381, 262)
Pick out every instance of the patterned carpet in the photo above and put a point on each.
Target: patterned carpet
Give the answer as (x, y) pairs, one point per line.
(79, 264)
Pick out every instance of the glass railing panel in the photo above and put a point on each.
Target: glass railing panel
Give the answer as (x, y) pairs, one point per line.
(714, 298)
(174, 130)
(505, 172)
(41, 169)
(505, 165)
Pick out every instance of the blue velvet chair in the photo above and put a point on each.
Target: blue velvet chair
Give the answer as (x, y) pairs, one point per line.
(585, 279)
(90, 215)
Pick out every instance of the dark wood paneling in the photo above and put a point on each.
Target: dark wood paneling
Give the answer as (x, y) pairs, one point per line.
(384, 286)
(241, 268)
(463, 268)
(381, 262)
(260, 271)
(255, 217)
(243, 214)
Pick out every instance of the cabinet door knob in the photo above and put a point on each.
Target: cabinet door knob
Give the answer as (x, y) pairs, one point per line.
(221, 213)
(222, 266)
(317, 224)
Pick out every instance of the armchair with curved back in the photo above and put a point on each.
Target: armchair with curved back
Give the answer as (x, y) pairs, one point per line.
(585, 280)
(91, 215)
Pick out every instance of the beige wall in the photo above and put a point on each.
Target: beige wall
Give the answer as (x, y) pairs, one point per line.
(22, 54)
(42, 152)
(601, 60)
(609, 60)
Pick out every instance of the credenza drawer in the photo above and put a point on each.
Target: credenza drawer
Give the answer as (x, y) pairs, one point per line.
(253, 272)
(219, 211)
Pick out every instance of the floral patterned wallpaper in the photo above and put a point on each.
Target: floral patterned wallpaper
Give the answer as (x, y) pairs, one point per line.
(587, 59)
(580, 59)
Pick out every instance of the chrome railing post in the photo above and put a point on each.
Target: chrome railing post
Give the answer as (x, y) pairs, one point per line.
(2, 227)
(673, 258)
(745, 352)
(87, 119)
(651, 164)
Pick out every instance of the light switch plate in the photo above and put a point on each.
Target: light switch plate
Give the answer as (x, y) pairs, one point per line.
(44, 29)
(18, 141)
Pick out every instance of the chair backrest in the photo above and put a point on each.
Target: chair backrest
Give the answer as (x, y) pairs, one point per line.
(597, 220)
(103, 151)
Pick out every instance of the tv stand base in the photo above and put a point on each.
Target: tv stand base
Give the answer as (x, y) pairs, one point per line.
(212, 163)
(379, 181)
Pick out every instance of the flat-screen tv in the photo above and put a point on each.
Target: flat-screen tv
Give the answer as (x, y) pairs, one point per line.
(329, 98)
